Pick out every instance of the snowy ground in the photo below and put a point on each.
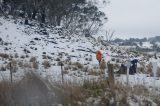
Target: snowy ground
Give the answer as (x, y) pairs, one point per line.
(48, 44)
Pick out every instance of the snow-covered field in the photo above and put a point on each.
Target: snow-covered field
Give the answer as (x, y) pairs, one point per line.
(22, 42)
(17, 39)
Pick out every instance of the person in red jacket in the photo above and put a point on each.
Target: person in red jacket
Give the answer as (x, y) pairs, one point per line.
(99, 56)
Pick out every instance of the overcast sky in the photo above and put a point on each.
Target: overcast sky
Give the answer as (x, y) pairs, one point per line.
(134, 18)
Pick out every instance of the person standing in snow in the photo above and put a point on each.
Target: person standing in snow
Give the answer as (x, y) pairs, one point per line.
(133, 67)
(99, 56)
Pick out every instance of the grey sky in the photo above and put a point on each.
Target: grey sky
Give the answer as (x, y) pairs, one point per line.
(135, 18)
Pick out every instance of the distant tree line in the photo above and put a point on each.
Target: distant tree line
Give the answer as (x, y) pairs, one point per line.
(76, 15)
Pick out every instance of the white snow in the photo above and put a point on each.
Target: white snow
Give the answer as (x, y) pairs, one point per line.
(146, 45)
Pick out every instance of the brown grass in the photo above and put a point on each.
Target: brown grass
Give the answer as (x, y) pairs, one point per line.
(93, 72)
(78, 65)
(70, 95)
(76, 95)
(5, 93)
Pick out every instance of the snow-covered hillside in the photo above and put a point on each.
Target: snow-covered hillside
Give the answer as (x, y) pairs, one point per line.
(23, 42)
(43, 49)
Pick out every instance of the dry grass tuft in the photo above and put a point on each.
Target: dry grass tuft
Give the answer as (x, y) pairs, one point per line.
(149, 69)
(46, 64)
(33, 59)
(35, 65)
(95, 88)
(93, 72)
(3, 55)
(78, 65)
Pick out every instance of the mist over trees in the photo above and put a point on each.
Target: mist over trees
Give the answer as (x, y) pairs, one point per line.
(79, 16)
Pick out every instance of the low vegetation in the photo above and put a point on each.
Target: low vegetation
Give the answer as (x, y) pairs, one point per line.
(46, 64)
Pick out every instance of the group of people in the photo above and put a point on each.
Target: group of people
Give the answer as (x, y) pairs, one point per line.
(123, 68)
(132, 68)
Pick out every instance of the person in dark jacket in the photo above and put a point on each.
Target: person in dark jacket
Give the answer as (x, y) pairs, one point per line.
(133, 67)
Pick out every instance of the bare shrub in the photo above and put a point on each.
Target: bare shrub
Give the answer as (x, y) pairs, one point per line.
(32, 59)
(35, 64)
(3, 55)
(46, 64)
